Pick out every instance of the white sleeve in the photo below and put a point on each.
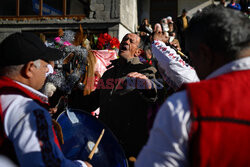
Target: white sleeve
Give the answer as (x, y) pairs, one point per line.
(21, 127)
(173, 69)
(168, 141)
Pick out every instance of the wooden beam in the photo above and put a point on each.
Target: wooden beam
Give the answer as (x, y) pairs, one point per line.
(17, 8)
(64, 7)
(40, 8)
(30, 17)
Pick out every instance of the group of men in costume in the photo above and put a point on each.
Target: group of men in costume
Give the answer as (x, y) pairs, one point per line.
(193, 127)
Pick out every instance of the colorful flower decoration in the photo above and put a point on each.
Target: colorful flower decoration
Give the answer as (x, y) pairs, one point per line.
(61, 43)
(57, 39)
(67, 43)
(72, 66)
(105, 41)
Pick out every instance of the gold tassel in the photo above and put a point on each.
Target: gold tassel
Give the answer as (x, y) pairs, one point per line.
(58, 130)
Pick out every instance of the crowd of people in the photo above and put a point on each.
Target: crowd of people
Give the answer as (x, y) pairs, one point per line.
(203, 121)
(195, 126)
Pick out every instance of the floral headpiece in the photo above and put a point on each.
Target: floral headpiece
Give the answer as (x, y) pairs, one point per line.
(105, 41)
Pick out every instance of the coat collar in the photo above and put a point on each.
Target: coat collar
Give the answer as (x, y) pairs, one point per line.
(237, 65)
(133, 61)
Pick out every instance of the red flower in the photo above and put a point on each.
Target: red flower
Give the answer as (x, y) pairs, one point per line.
(114, 43)
(101, 43)
(149, 62)
(105, 41)
(107, 37)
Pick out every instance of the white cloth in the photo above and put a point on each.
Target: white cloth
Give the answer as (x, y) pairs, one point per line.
(21, 128)
(168, 141)
(6, 162)
(173, 69)
(51, 70)
(165, 27)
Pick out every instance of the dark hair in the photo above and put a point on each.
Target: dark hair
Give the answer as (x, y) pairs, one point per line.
(223, 30)
(145, 19)
(141, 44)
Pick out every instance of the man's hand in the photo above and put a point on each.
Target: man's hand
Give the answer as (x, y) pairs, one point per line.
(138, 80)
(161, 37)
(176, 44)
(53, 110)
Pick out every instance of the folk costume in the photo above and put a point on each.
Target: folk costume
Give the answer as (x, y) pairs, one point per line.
(195, 126)
(26, 127)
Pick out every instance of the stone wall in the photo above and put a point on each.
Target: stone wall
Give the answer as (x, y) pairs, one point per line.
(123, 12)
(128, 14)
(104, 9)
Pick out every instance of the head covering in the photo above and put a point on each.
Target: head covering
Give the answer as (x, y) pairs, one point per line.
(20, 48)
(157, 28)
(169, 18)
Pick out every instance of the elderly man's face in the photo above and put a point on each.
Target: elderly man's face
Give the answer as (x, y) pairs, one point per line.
(129, 46)
(39, 75)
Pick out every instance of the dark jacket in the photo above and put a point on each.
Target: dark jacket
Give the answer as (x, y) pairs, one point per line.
(123, 110)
